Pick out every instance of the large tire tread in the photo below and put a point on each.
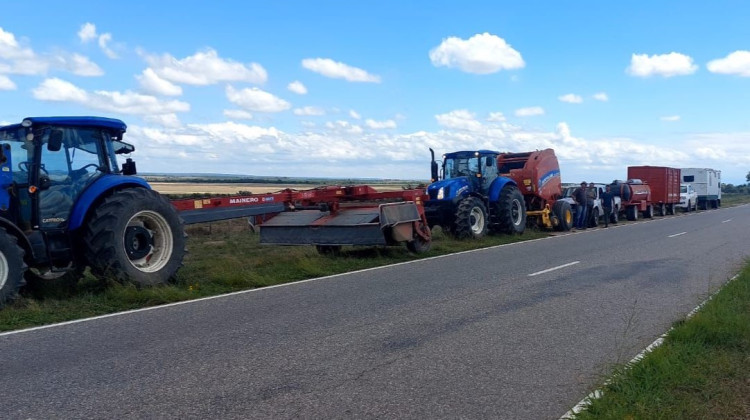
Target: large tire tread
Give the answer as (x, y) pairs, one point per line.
(104, 249)
(506, 224)
(462, 225)
(16, 267)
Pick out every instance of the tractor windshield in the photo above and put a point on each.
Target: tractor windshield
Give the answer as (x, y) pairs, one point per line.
(461, 166)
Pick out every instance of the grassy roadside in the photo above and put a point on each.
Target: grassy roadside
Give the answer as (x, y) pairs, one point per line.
(223, 257)
(701, 371)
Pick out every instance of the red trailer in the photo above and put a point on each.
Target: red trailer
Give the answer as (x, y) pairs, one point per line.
(664, 183)
(635, 197)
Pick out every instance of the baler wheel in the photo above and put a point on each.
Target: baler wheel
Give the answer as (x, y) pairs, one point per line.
(564, 214)
(12, 267)
(135, 235)
(511, 212)
(471, 219)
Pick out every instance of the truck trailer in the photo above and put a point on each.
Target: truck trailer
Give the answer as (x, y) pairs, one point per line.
(664, 183)
(707, 183)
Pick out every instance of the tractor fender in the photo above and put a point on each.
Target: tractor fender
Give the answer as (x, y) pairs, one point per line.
(98, 189)
(497, 185)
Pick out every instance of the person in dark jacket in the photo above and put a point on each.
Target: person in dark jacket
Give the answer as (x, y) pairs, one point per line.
(607, 204)
(579, 195)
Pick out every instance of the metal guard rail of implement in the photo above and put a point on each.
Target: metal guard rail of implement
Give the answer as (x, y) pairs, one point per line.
(330, 215)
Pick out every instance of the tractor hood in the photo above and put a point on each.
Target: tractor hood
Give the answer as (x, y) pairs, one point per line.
(451, 188)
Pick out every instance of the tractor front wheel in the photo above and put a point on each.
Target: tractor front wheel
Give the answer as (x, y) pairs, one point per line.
(135, 235)
(471, 219)
(12, 267)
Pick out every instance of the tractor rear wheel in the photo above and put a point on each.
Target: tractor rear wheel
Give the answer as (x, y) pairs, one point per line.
(136, 236)
(561, 209)
(12, 267)
(511, 210)
(471, 219)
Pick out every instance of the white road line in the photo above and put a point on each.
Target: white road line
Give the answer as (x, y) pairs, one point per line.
(553, 268)
(676, 234)
(728, 220)
(596, 394)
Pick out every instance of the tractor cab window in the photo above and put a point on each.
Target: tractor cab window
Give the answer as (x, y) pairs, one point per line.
(458, 167)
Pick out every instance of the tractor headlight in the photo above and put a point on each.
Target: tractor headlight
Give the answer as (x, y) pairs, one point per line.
(441, 193)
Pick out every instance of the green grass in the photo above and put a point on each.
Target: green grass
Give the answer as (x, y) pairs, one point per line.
(701, 371)
(728, 200)
(223, 257)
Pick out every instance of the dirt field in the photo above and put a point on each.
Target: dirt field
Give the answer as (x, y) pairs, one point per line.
(201, 188)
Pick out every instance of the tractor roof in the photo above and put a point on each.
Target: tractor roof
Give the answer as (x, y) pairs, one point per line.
(98, 122)
(470, 153)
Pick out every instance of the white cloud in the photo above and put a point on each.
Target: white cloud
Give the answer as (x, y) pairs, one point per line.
(104, 40)
(379, 125)
(354, 114)
(460, 119)
(736, 63)
(666, 65)
(670, 118)
(344, 126)
(205, 68)
(297, 87)
(309, 111)
(529, 111)
(338, 70)
(571, 98)
(87, 32)
(601, 96)
(152, 83)
(254, 99)
(163, 120)
(6, 83)
(58, 90)
(238, 114)
(77, 64)
(496, 117)
(481, 54)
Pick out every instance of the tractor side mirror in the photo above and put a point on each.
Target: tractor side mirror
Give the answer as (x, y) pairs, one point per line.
(54, 144)
(128, 168)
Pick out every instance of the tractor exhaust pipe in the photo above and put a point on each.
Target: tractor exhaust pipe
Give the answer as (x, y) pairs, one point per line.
(433, 167)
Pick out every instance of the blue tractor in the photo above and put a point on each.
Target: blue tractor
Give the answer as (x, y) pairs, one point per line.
(468, 197)
(65, 204)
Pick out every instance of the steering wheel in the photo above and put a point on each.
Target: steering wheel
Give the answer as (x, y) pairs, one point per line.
(24, 166)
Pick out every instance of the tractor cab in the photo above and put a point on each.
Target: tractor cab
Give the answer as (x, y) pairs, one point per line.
(464, 172)
(49, 162)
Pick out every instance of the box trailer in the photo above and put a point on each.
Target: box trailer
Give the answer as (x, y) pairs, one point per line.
(664, 183)
(707, 183)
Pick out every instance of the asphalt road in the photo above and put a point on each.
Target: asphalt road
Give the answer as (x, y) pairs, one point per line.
(472, 335)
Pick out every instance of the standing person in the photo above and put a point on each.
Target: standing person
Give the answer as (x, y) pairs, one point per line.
(607, 201)
(579, 195)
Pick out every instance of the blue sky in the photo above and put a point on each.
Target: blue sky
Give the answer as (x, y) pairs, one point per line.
(362, 89)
